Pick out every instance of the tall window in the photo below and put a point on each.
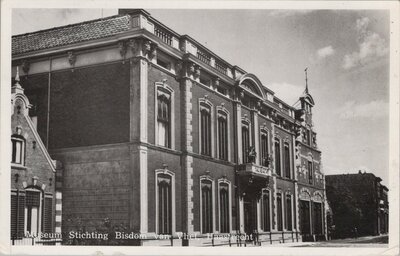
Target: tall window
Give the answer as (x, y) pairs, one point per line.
(278, 157)
(18, 149)
(266, 211)
(224, 208)
(310, 172)
(280, 211)
(287, 160)
(288, 212)
(222, 136)
(206, 207)
(164, 183)
(32, 212)
(245, 141)
(205, 130)
(163, 118)
(264, 149)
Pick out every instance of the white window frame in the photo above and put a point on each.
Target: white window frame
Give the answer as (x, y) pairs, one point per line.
(22, 151)
(223, 180)
(172, 114)
(212, 201)
(173, 210)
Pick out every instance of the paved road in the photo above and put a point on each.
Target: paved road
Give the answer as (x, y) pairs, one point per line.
(368, 241)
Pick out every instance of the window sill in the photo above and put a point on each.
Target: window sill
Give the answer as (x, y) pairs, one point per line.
(18, 166)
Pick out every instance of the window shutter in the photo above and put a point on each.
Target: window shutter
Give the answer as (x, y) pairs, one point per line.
(21, 215)
(14, 206)
(48, 216)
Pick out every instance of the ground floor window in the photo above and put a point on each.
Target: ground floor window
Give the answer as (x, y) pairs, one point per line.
(280, 211)
(304, 217)
(224, 207)
(266, 211)
(164, 184)
(206, 206)
(288, 212)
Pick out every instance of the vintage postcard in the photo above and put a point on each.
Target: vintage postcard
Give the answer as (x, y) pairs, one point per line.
(216, 127)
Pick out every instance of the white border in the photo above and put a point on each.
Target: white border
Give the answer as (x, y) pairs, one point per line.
(393, 6)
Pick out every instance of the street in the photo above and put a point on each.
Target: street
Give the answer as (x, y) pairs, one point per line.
(368, 241)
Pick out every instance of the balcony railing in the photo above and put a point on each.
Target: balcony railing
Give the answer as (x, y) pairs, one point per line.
(221, 67)
(254, 169)
(165, 36)
(203, 57)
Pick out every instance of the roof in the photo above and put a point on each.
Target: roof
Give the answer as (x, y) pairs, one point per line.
(73, 33)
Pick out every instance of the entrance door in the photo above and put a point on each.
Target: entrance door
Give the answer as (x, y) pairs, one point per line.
(250, 215)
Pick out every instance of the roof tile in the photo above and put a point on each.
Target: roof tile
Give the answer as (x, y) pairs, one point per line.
(74, 33)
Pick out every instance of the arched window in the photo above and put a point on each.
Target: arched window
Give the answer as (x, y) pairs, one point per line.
(207, 217)
(18, 147)
(245, 140)
(163, 118)
(278, 157)
(222, 135)
(266, 211)
(164, 203)
(224, 207)
(287, 160)
(264, 148)
(205, 130)
(289, 213)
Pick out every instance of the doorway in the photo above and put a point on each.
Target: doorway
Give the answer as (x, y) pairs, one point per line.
(250, 215)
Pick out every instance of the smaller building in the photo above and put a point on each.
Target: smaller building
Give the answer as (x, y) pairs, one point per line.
(35, 179)
(359, 204)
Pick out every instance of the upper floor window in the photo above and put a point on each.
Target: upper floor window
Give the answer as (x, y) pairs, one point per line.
(163, 61)
(206, 206)
(310, 172)
(163, 118)
(278, 157)
(264, 149)
(245, 140)
(287, 160)
(18, 147)
(205, 130)
(222, 135)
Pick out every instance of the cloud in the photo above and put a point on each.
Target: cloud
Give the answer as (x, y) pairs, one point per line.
(371, 46)
(287, 13)
(374, 109)
(289, 93)
(325, 52)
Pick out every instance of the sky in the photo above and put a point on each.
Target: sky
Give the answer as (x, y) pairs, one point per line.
(346, 52)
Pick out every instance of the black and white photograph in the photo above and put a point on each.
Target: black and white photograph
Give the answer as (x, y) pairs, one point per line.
(260, 128)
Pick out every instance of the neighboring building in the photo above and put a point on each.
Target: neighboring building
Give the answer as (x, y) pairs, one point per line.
(359, 204)
(160, 134)
(35, 184)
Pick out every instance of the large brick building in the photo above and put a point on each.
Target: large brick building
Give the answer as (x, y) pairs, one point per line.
(359, 204)
(157, 132)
